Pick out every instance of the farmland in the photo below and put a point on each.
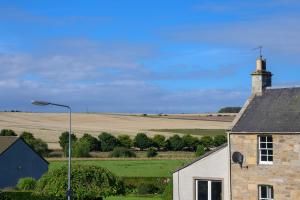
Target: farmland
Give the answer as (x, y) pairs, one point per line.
(48, 126)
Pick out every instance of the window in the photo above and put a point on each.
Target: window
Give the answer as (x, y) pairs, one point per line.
(265, 192)
(265, 149)
(208, 190)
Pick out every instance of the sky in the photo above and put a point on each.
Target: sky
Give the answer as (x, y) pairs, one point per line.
(148, 56)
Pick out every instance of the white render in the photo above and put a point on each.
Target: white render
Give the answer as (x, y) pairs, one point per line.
(212, 167)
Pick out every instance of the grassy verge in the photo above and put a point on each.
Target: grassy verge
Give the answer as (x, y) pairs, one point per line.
(132, 168)
(199, 132)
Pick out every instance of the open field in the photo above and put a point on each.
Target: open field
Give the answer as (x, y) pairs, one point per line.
(48, 126)
(202, 132)
(131, 168)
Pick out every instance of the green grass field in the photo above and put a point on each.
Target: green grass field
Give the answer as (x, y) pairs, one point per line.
(133, 198)
(199, 132)
(132, 168)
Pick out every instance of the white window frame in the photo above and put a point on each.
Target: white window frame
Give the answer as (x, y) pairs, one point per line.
(263, 162)
(208, 187)
(270, 192)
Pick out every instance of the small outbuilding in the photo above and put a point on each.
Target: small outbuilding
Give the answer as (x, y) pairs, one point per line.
(19, 160)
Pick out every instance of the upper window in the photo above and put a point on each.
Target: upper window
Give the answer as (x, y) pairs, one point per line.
(208, 190)
(265, 149)
(265, 192)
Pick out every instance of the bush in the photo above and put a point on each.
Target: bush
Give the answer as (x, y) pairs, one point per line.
(168, 193)
(26, 184)
(93, 143)
(64, 140)
(151, 152)
(125, 141)
(142, 141)
(108, 141)
(25, 195)
(147, 189)
(122, 152)
(200, 150)
(190, 142)
(175, 143)
(88, 182)
(80, 149)
(132, 183)
(219, 140)
(38, 145)
(7, 132)
(159, 141)
(207, 142)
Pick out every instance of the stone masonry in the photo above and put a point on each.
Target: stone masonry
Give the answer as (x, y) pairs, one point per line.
(283, 174)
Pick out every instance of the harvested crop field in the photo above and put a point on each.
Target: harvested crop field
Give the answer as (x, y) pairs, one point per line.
(48, 126)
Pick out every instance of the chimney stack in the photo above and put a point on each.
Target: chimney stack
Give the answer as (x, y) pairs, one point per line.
(261, 78)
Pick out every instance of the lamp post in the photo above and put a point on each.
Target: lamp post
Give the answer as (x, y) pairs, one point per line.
(44, 103)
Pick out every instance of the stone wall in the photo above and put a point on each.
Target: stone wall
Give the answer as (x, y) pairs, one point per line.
(283, 175)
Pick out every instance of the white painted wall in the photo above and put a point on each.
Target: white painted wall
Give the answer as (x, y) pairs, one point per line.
(214, 166)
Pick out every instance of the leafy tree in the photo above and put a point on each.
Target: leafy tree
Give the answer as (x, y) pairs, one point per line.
(122, 152)
(200, 150)
(93, 143)
(80, 149)
(151, 152)
(89, 182)
(142, 141)
(26, 183)
(64, 140)
(176, 143)
(125, 141)
(108, 141)
(207, 142)
(219, 140)
(7, 132)
(230, 110)
(38, 145)
(190, 141)
(159, 141)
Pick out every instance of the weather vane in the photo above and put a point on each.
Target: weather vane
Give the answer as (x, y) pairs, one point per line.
(260, 50)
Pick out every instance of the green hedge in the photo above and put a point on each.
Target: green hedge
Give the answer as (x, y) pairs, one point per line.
(21, 195)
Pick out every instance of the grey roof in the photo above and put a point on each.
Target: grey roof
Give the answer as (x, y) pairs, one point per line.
(203, 156)
(277, 110)
(6, 142)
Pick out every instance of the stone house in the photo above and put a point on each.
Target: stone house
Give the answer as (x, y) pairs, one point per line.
(19, 160)
(265, 136)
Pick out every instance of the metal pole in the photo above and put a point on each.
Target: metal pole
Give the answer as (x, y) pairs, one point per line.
(69, 160)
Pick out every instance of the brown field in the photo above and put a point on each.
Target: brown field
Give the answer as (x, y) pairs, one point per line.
(48, 126)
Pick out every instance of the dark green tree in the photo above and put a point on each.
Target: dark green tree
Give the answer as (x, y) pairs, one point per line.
(200, 150)
(7, 132)
(142, 141)
(159, 141)
(219, 140)
(64, 140)
(125, 141)
(80, 149)
(108, 142)
(207, 142)
(175, 143)
(190, 142)
(93, 143)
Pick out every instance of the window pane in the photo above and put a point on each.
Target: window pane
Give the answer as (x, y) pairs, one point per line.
(270, 158)
(269, 139)
(263, 145)
(202, 190)
(216, 190)
(263, 152)
(263, 191)
(263, 158)
(270, 152)
(262, 138)
(270, 145)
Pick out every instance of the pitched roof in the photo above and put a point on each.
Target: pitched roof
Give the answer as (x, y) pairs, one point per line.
(203, 156)
(276, 110)
(6, 142)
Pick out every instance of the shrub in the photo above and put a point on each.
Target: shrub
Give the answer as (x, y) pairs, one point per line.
(108, 141)
(175, 143)
(207, 142)
(7, 132)
(80, 149)
(38, 145)
(88, 182)
(159, 141)
(142, 141)
(125, 141)
(168, 193)
(145, 188)
(190, 142)
(151, 152)
(27, 136)
(64, 140)
(132, 183)
(122, 152)
(26, 184)
(93, 143)
(219, 140)
(200, 150)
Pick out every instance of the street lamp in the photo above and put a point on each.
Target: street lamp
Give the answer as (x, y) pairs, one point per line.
(45, 103)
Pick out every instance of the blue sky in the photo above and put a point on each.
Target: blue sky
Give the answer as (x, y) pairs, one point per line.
(136, 56)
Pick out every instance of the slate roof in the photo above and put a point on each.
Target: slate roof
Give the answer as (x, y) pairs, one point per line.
(6, 142)
(203, 156)
(277, 110)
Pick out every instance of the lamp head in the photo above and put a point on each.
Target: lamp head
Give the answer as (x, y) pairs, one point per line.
(40, 103)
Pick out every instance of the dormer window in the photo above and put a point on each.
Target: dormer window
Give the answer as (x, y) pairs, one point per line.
(265, 148)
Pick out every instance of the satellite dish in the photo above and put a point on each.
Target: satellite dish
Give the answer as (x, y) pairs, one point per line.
(237, 157)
